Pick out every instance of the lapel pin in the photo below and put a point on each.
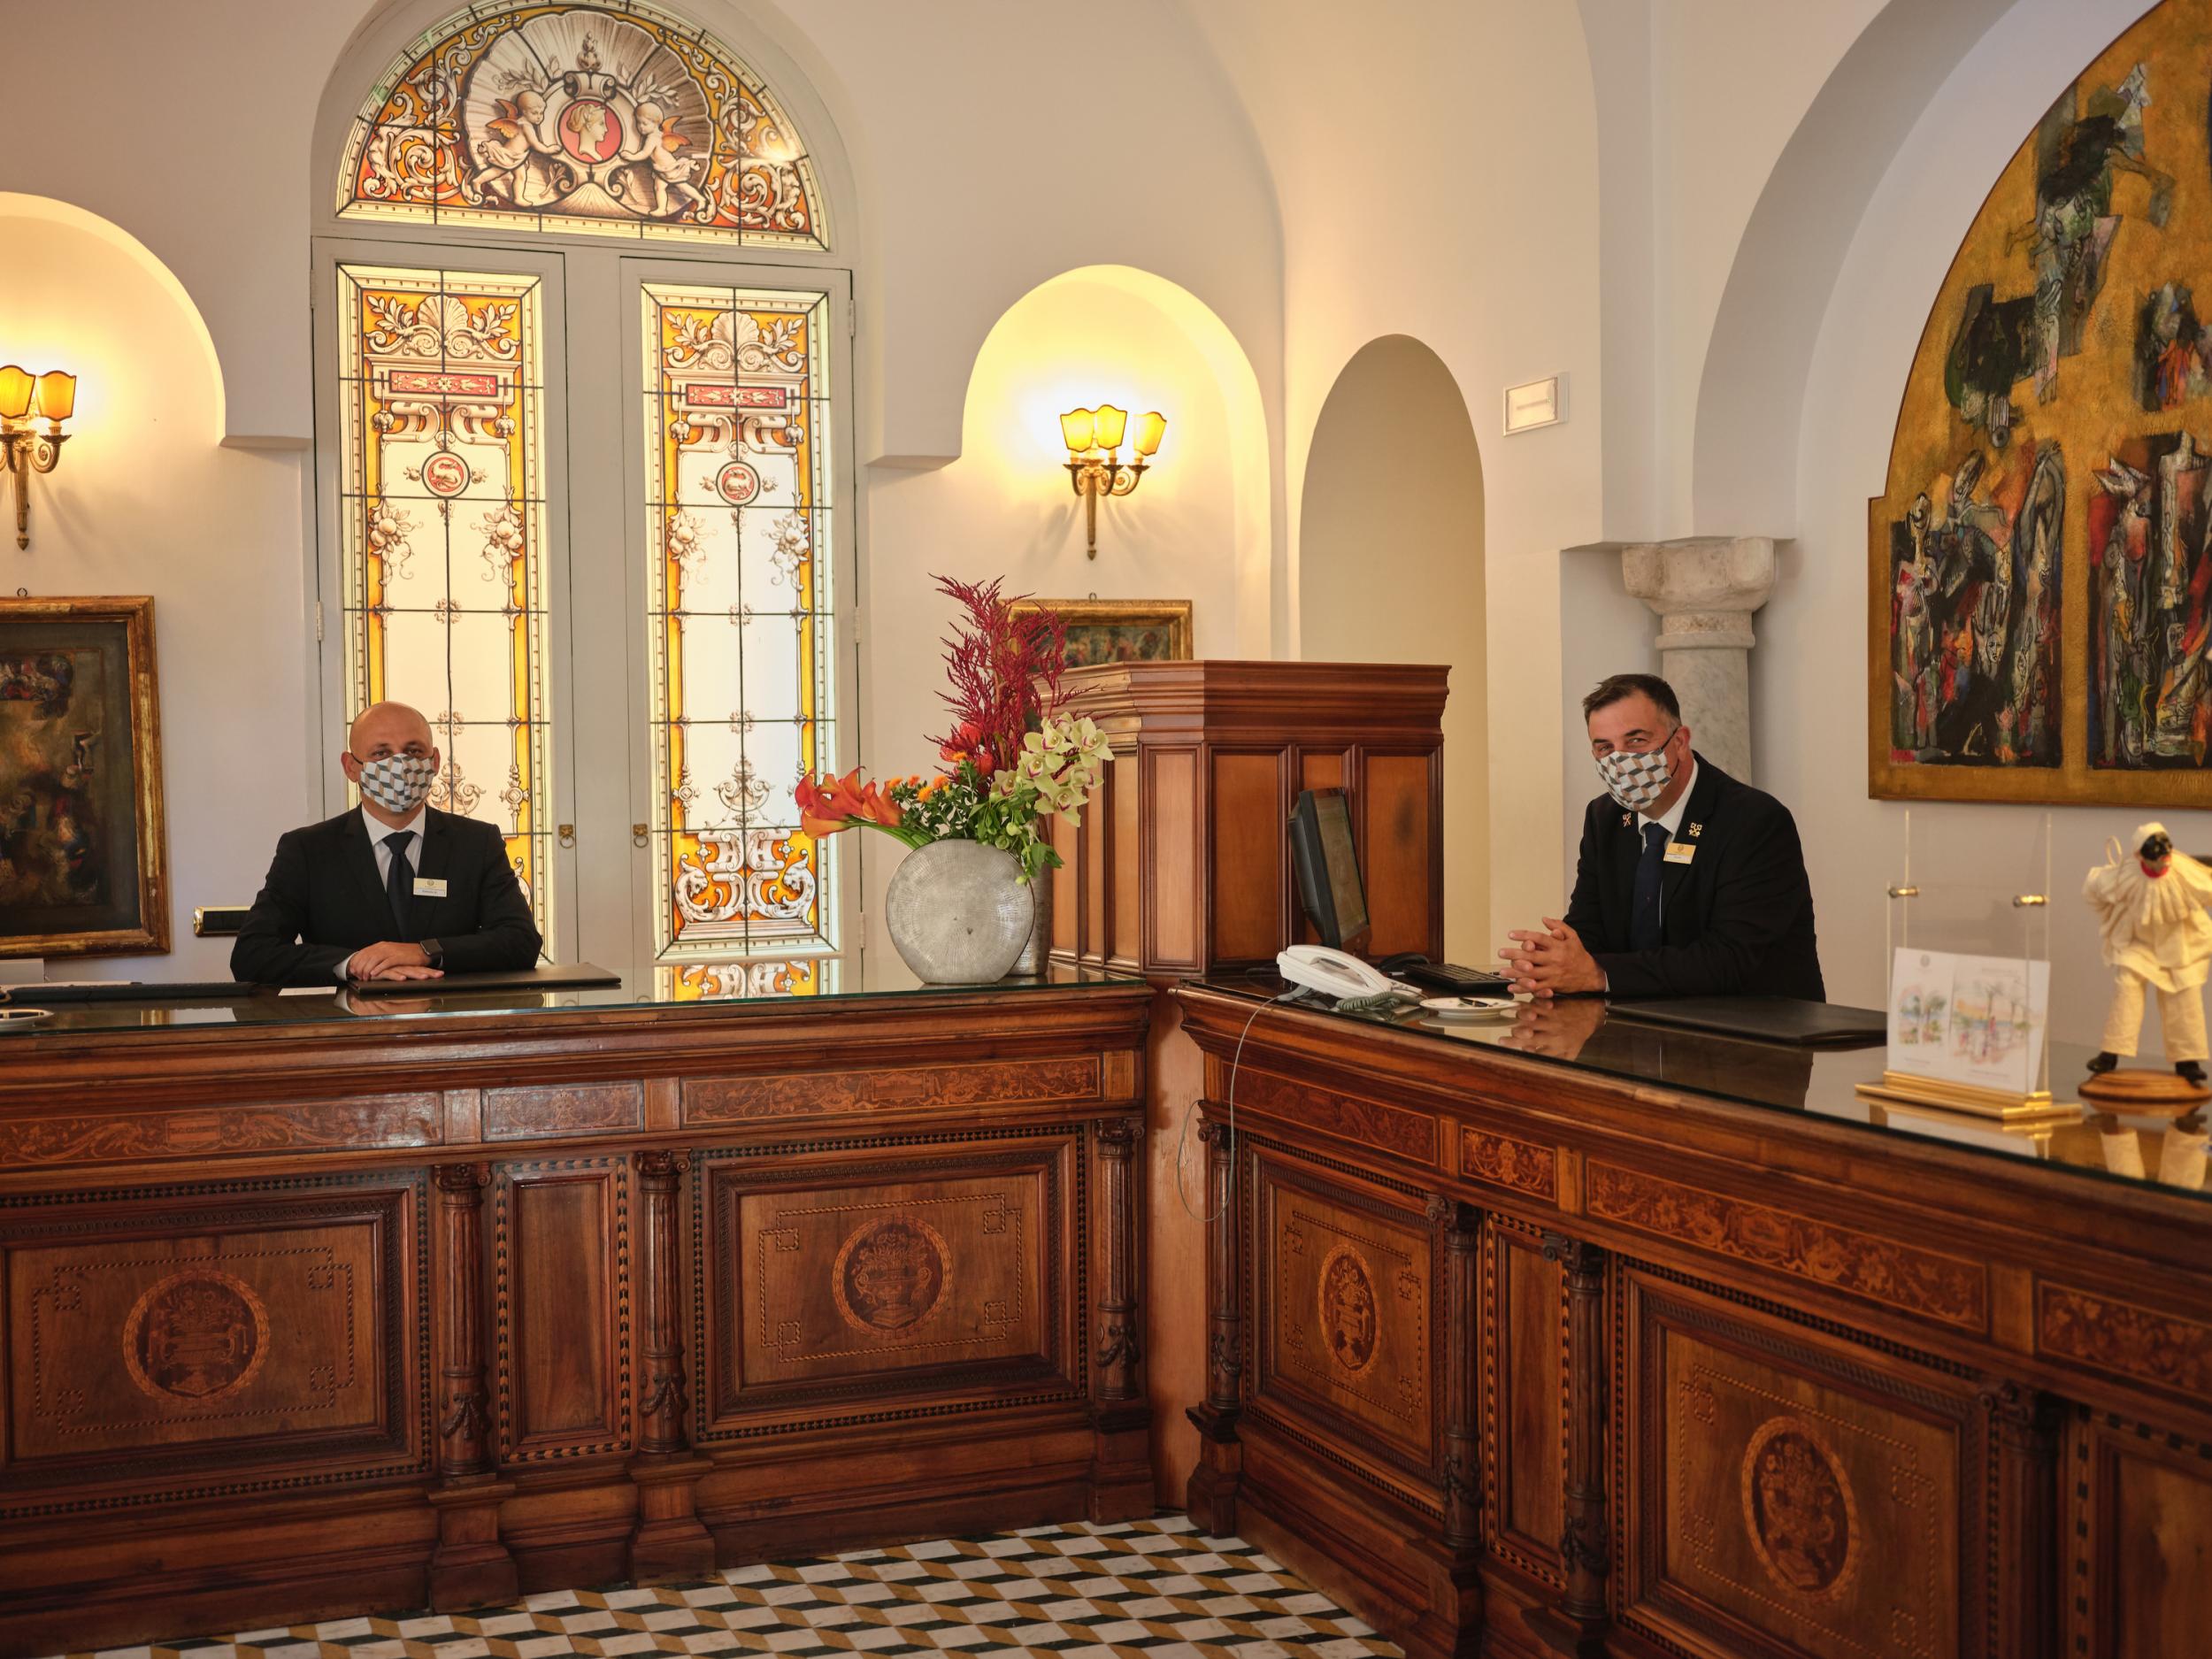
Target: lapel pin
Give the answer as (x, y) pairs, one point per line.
(1625, 817)
(1696, 830)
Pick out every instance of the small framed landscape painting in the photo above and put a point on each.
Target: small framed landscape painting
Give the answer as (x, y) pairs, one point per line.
(82, 847)
(1120, 630)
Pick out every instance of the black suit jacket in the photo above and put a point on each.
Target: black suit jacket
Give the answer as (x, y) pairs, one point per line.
(1736, 920)
(323, 901)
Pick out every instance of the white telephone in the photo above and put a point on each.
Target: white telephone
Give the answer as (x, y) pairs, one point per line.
(1333, 973)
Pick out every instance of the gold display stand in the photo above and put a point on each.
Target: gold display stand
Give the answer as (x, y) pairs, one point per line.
(2006, 1106)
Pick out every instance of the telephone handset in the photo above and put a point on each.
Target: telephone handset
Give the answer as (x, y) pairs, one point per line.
(1333, 973)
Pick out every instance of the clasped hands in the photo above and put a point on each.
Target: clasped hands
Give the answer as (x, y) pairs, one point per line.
(391, 959)
(1551, 962)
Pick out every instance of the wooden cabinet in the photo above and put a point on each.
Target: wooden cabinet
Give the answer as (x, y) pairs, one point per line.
(556, 1298)
(1519, 1358)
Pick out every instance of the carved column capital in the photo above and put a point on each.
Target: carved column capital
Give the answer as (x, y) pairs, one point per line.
(1704, 590)
(463, 1179)
(1118, 1137)
(1585, 1262)
(1214, 1133)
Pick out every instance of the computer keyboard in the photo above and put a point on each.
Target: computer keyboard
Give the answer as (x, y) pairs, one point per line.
(1448, 976)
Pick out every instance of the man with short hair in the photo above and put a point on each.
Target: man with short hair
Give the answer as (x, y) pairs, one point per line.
(1688, 884)
(393, 890)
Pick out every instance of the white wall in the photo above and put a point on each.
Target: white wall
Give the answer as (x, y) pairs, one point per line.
(1809, 671)
(1196, 527)
(144, 502)
(1436, 166)
(973, 153)
(1390, 569)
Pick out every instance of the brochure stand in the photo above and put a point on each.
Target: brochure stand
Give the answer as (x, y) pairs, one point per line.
(1970, 974)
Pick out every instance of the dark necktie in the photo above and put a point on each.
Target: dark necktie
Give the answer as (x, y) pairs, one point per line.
(399, 879)
(1643, 917)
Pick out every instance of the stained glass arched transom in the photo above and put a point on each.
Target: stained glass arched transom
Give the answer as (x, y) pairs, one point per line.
(610, 119)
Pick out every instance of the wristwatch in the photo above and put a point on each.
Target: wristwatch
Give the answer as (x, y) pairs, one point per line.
(434, 950)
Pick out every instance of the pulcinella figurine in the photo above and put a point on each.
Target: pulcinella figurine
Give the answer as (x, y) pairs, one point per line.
(2150, 906)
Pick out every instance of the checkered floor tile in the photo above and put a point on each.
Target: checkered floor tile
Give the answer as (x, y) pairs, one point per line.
(1155, 1589)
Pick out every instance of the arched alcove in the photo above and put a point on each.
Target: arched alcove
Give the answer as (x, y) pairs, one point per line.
(1391, 568)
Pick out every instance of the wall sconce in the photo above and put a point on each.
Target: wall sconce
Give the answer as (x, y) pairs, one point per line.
(26, 451)
(1094, 438)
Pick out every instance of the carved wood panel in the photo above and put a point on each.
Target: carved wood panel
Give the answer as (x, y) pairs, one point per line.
(124, 1136)
(1790, 1493)
(842, 1275)
(1059, 1077)
(1524, 1398)
(2137, 1582)
(1346, 1314)
(172, 1333)
(561, 1337)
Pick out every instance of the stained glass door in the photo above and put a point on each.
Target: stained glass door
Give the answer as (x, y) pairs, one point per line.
(442, 492)
(741, 595)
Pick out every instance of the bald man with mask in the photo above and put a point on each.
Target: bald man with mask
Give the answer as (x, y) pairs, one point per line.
(394, 889)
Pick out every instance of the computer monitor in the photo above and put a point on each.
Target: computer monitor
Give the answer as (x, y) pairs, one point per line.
(1327, 865)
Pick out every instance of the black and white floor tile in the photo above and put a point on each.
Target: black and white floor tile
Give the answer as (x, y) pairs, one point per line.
(1154, 1589)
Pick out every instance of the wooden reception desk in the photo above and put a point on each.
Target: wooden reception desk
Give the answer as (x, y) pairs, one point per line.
(1581, 1336)
(314, 1307)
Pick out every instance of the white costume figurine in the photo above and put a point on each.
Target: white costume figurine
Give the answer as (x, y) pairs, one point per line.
(2151, 907)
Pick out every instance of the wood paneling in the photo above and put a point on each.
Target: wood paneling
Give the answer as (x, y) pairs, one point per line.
(1786, 1487)
(159, 1341)
(2137, 1582)
(1124, 810)
(1752, 1385)
(1249, 854)
(242, 1385)
(1524, 1398)
(1401, 809)
(1172, 901)
(561, 1349)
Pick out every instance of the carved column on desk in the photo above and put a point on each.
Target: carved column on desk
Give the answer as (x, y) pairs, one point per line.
(1461, 1224)
(470, 1564)
(1578, 1624)
(1121, 1417)
(2026, 1424)
(1211, 1497)
(669, 1540)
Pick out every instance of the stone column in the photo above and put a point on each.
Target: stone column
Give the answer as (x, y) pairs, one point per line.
(1704, 590)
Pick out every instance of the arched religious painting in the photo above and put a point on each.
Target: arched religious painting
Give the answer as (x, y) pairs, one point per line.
(2040, 624)
(614, 119)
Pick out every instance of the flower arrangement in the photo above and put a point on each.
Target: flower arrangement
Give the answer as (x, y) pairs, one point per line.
(1009, 758)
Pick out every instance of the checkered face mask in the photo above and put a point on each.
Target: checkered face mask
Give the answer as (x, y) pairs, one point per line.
(1635, 780)
(398, 782)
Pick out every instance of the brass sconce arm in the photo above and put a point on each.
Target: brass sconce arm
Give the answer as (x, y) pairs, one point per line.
(27, 452)
(1092, 474)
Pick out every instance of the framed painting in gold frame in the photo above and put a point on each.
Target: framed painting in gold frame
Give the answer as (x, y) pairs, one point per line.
(1120, 630)
(84, 846)
(2040, 573)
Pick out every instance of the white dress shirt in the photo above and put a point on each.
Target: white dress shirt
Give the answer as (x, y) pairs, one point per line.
(378, 830)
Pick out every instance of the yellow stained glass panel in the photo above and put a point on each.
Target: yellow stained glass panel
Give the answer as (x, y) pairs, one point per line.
(739, 608)
(442, 560)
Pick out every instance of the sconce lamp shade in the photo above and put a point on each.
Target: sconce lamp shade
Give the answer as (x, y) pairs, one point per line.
(15, 392)
(1150, 429)
(56, 394)
(1112, 423)
(1076, 428)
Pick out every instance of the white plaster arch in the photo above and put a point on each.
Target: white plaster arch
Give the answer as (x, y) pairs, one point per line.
(1754, 385)
(19, 208)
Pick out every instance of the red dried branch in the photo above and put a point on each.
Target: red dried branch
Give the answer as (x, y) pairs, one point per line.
(1005, 671)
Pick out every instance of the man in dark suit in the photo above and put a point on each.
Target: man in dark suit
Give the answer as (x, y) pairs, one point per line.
(393, 890)
(1689, 883)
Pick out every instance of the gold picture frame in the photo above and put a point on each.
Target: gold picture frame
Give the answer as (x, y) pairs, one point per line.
(1120, 630)
(83, 838)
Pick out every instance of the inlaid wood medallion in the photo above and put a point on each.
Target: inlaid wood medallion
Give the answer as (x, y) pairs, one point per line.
(1798, 1510)
(198, 1336)
(890, 1276)
(1346, 1306)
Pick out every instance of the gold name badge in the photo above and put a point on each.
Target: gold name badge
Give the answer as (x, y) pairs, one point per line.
(430, 887)
(1680, 852)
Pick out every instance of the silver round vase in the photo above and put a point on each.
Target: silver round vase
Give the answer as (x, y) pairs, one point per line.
(957, 912)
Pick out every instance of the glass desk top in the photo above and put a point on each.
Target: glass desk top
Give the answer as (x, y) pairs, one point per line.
(1586, 1032)
(731, 990)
